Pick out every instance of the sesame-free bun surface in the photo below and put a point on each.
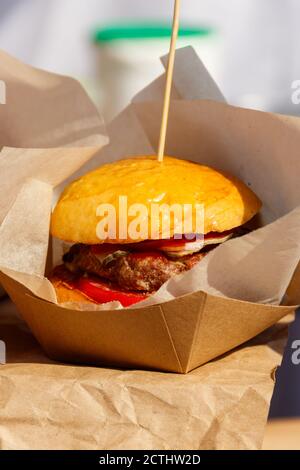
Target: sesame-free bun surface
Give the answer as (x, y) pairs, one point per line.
(228, 202)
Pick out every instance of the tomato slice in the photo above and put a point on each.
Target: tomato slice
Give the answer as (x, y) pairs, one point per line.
(191, 244)
(149, 245)
(102, 293)
(171, 244)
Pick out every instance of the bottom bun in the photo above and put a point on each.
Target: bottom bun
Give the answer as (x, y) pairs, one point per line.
(87, 289)
(65, 294)
(90, 289)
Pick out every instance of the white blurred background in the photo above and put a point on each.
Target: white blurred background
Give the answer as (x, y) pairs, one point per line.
(252, 53)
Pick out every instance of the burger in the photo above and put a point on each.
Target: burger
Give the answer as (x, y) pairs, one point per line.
(123, 262)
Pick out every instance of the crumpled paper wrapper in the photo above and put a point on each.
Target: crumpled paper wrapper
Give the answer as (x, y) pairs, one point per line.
(50, 406)
(256, 268)
(46, 110)
(43, 111)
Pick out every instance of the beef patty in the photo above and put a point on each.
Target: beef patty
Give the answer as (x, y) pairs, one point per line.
(146, 271)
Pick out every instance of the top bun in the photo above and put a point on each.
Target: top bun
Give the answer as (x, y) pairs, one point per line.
(228, 203)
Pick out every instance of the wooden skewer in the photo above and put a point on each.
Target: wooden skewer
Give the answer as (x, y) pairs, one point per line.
(169, 80)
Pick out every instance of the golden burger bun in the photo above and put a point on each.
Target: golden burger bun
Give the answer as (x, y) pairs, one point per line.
(228, 202)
